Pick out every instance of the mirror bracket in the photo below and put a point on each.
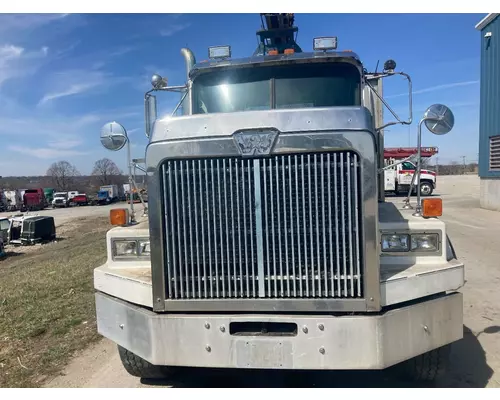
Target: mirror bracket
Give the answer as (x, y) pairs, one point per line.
(410, 104)
(150, 110)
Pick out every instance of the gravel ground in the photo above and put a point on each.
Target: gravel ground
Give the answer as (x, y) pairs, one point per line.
(64, 215)
(475, 359)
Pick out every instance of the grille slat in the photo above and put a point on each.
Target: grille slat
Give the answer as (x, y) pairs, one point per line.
(344, 256)
(304, 227)
(299, 242)
(286, 226)
(294, 276)
(233, 221)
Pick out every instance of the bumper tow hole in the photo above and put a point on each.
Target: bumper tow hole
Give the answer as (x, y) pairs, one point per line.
(263, 329)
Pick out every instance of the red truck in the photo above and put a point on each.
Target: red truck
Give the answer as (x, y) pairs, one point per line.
(80, 199)
(34, 199)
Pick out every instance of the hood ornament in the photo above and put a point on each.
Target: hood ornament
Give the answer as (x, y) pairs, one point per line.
(258, 142)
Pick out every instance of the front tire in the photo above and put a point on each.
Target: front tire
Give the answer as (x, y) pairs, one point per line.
(426, 188)
(137, 366)
(426, 367)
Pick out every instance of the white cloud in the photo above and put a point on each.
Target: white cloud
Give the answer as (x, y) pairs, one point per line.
(73, 89)
(17, 62)
(21, 22)
(121, 51)
(47, 153)
(9, 52)
(77, 82)
(174, 28)
(65, 144)
(436, 88)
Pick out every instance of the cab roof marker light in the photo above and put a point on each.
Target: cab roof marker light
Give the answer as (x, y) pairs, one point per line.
(325, 43)
(216, 52)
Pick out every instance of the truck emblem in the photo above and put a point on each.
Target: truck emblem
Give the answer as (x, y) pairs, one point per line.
(251, 143)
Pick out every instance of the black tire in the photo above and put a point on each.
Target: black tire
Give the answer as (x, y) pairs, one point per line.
(426, 367)
(137, 366)
(426, 188)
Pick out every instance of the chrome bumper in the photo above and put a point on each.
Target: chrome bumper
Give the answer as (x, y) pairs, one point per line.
(320, 342)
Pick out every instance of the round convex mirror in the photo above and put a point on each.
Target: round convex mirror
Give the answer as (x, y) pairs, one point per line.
(113, 136)
(439, 119)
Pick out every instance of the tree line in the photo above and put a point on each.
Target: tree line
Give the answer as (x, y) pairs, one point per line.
(64, 176)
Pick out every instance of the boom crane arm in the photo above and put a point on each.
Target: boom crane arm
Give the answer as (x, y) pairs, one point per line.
(277, 33)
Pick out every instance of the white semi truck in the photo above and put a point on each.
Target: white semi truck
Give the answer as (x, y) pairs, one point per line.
(269, 243)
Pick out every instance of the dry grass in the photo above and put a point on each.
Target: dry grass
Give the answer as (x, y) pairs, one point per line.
(47, 303)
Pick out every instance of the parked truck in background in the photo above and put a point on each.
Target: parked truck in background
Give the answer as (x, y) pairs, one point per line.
(13, 199)
(108, 194)
(34, 199)
(60, 200)
(269, 243)
(80, 199)
(3, 201)
(398, 176)
(49, 194)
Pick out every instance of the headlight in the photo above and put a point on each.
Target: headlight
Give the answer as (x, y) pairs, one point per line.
(144, 248)
(124, 248)
(395, 242)
(424, 242)
(131, 248)
(410, 242)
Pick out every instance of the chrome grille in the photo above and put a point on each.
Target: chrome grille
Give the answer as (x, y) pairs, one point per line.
(301, 239)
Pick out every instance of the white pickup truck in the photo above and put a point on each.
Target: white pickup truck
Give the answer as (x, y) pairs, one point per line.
(398, 178)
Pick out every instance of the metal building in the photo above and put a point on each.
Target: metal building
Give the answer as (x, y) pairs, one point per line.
(489, 114)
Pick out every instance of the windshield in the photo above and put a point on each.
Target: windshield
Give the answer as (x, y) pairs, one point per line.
(4, 224)
(277, 87)
(60, 195)
(408, 165)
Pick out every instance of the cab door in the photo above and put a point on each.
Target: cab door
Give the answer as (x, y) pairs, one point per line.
(405, 173)
(390, 180)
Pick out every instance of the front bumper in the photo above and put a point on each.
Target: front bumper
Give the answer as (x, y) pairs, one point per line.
(320, 342)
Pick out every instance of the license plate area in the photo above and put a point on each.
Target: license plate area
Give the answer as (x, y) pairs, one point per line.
(264, 354)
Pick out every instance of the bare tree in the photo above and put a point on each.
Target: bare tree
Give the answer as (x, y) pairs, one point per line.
(107, 172)
(62, 175)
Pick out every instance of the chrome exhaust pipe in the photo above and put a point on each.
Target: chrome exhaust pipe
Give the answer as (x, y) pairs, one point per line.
(190, 60)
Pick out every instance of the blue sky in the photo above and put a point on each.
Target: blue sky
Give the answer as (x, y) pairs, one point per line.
(63, 76)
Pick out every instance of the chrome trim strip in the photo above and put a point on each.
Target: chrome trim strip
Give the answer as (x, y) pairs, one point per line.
(266, 305)
(258, 228)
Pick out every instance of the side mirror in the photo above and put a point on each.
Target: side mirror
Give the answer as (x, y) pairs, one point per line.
(150, 113)
(439, 120)
(113, 136)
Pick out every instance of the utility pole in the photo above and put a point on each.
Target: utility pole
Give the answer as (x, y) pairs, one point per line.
(437, 166)
(464, 163)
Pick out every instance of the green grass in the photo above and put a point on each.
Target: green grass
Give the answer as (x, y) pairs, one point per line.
(47, 304)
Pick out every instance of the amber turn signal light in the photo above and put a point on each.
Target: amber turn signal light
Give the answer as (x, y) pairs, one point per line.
(272, 52)
(432, 207)
(289, 51)
(119, 216)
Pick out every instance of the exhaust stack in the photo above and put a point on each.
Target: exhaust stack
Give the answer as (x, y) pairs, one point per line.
(190, 60)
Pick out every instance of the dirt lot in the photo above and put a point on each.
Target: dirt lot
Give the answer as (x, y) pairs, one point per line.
(475, 359)
(46, 302)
